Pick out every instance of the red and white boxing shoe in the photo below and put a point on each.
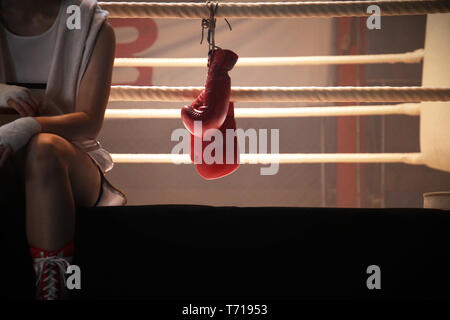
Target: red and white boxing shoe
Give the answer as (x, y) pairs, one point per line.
(50, 269)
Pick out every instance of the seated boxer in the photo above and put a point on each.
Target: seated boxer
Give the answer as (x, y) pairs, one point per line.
(57, 78)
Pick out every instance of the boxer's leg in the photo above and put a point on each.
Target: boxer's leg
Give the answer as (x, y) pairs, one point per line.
(58, 178)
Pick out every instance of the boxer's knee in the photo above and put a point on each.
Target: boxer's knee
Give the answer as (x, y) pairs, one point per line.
(46, 154)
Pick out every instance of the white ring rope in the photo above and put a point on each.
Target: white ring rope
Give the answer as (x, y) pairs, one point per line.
(412, 109)
(278, 94)
(407, 57)
(193, 10)
(283, 158)
(286, 94)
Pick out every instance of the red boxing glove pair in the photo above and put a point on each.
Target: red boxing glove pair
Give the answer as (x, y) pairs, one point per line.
(215, 111)
(230, 149)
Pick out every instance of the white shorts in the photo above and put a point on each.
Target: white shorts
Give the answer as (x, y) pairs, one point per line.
(109, 195)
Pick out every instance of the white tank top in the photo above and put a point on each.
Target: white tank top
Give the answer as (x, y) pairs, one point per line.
(32, 56)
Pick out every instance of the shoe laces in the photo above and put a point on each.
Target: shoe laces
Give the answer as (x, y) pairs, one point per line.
(49, 269)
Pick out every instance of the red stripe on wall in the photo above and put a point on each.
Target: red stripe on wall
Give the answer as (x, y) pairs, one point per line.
(147, 31)
(347, 75)
(362, 82)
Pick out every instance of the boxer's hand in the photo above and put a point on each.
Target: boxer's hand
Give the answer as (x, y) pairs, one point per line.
(17, 133)
(20, 99)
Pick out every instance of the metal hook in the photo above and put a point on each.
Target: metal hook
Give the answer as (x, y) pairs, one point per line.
(204, 26)
(210, 24)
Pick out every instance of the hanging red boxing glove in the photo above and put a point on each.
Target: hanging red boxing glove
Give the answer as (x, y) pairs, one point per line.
(217, 91)
(230, 150)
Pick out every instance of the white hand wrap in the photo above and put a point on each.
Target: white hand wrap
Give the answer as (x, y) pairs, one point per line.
(19, 132)
(12, 92)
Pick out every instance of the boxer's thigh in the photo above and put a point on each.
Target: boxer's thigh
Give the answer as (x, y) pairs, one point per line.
(84, 175)
(85, 179)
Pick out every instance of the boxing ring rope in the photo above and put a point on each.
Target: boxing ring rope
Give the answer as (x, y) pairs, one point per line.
(407, 57)
(194, 10)
(286, 94)
(279, 94)
(411, 109)
(281, 158)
